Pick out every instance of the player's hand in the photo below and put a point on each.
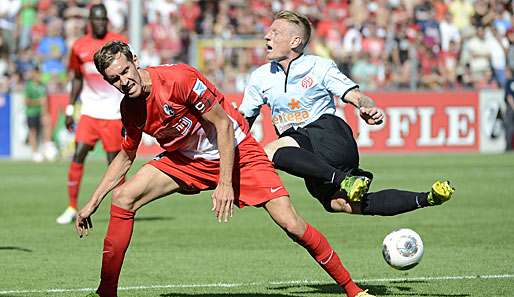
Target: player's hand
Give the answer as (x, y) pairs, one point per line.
(372, 115)
(83, 220)
(223, 202)
(69, 122)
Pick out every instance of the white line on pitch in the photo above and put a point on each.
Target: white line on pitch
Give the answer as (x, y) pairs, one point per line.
(290, 282)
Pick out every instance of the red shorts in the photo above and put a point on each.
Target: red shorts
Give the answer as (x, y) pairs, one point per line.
(254, 179)
(90, 130)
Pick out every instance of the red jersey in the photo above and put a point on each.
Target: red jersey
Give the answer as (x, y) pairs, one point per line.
(172, 113)
(99, 99)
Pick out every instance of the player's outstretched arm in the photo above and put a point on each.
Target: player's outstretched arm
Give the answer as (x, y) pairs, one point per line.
(223, 195)
(114, 174)
(367, 107)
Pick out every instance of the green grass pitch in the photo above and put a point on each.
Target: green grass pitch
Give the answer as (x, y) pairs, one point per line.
(179, 250)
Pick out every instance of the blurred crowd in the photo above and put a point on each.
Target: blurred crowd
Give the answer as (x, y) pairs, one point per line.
(382, 44)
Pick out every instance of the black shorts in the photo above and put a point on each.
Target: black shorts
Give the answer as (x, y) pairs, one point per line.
(34, 122)
(331, 138)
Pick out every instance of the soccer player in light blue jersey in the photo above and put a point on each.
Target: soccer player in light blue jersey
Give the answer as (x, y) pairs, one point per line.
(314, 143)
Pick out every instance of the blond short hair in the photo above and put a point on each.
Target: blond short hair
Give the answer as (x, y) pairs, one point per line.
(299, 20)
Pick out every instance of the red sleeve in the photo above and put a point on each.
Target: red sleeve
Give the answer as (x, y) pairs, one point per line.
(132, 131)
(195, 90)
(74, 64)
(131, 138)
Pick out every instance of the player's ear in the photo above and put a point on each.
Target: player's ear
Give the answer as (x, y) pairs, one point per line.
(135, 60)
(296, 42)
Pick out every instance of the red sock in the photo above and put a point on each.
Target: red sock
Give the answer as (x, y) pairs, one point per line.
(116, 243)
(74, 177)
(319, 248)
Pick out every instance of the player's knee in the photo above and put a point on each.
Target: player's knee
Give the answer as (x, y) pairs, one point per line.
(122, 198)
(270, 151)
(295, 227)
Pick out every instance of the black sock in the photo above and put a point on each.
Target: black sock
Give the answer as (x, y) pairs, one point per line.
(303, 163)
(392, 202)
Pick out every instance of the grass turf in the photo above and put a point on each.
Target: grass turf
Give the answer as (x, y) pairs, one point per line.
(179, 250)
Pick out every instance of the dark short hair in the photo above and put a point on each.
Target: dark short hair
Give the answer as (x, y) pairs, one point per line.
(105, 56)
(97, 7)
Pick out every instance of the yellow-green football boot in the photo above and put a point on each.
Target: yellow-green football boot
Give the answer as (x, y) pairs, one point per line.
(355, 187)
(441, 192)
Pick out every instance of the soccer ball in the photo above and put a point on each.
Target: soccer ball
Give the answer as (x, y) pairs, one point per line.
(402, 249)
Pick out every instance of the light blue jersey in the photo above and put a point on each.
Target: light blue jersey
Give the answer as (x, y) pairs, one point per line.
(301, 96)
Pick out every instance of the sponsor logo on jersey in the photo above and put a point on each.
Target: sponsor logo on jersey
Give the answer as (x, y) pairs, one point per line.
(183, 125)
(294, 104)
(297, 117)
(199, 87)
(307, 82)
(168, 110)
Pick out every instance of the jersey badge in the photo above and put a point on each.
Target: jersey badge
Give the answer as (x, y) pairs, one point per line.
(307, 82)
(168, 110)
(199, 87)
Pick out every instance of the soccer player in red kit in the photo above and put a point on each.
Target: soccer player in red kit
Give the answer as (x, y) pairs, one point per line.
(100, 109)
(206, 145)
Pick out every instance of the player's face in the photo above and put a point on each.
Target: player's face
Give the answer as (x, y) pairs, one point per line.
(99, 23)
(278, 40)
(123, 75)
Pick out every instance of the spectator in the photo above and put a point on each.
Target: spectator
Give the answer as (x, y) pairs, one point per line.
(501, 18)
(367, 72)
(352, 41)
(4, 55)
(26, 19)
(117, 13)
(8, 12)
(510, 49)
(51, 51)
(429, 75)
(422, 12)
(462, 10)
(477, 54)
(508, 117)
(189, 11)
(449, 32)
(344, 29)
(448, 61)
(430, 30)
(498, 59)
(149, 55)
(483, 15)
(35, 102)
(372, 43)
(401, 67)
(440, 9)
(24, 62)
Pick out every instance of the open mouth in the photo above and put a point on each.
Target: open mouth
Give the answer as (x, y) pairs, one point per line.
(269, 48)
(130, 89)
